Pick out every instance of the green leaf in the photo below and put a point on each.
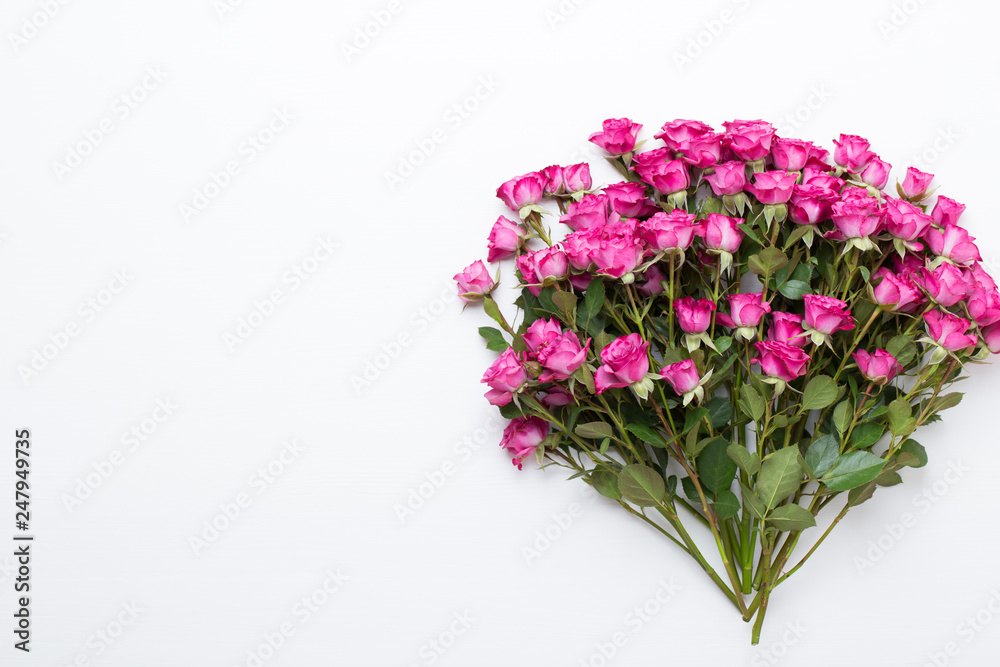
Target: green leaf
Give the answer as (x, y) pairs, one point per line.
(690, 490)
(913, 449)
(860, 494)
(510, 411)
(752, 502)
(865, 273)
(791, 517)
(900, 421)
(594, 297)
(754, 402)
(566, 303)
(723, 343)
(641, 485)
(853, 470)
(720, 411)
(780, 476)
(606, 483)
(584, 375)
(748, 462)
(822, 454)
(866, 434)
(794, 289)
(947, 401)
(902, 348)
(888, 478)
(820, 392)
(493, 310)
(768, 261)
(715, 469)
(490, 333)
(750, 232)
(843, 414)
(594, 430)
(693, 417)
(603, 449)
(646, 434)
(711, 205)
(496, 346)
(726, 504)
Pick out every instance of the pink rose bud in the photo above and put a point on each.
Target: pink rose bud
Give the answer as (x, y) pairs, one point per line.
(947, 211)
(856, 215)
(750, 140)
(948, 330)
(915, 183)
(822, 180)
(682, 376)
(504, 377)
(505, 238)
(780, 360)
(577, 177)
(474, 282)
(666, 177)
(721, 232)
(540, 333)
(954, 243)
(746, 310)
(694, 316)
(523, 436)
(652, 281)
(729, 178)
(679, 131)
(991, 337)
(522, 191)
(984, 305)
(619, 252)
(561, 356)
(669, 231)
(826, 314)
(554, 181)
(702, 151)
(624, 362)
(772, 187)
(787, 328)
(946, 285)
(550, 264)
(876, 174)
(904, 220)
(618, 136)
(556, 396)
(789, 154)
(811, 204)
(896, 293)
(879, 367)
(851, 152)
(591, 211)
(629, 200)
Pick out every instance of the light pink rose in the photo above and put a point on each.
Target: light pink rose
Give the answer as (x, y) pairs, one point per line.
(620, 250)
(946, 285)
(780, 360)
(772, 187)
(876, 174)
(948, 330)
(523, 436)
(745, 310)
(504, 377)
(947, 211)
(991, 337)
(694, 316)
(729, 178)
(591, 211)
(878, 367)
(720, 232)
(819, 159)
(678, 131)
(896, 292)
(749, 139)
(811, 204)
(624, 362)
(536, 266)
(954, 243)
(504, 240)
(983, 305)
(618, 136)
(851, 152)
(577, 177)
(826, 314)
(474, 282)
(554, 182)
(702, 151)
(540, 333)
(666, 177)
(628, 199)
(522, 191)
(561, 356)
(580, 247)
(904, 220)
(857, 215)
(915, 183)
(787, 328)
(822, 180)
(789, 154)
(668, 231)
(682, 376)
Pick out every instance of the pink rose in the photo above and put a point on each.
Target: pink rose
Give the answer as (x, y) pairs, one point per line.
(856, 215)
(694, 316)
(819, 158)
(580, 247)
(522, 437)
(851, 152)
(669, 231)
(618, 136)
(896, 293)
(554, 180)
(946, 285)
(522, 191)
(505, 376)
(991, 337)
(535, 267)
(666, 177)
(947, 211)
(811, 204)
(822, 180)
(618, 255)
(540, 333)
(474, 282)
(772, 187)
(653, 279)
(729, 178)
(915, 183)
(702, 151)
(948, 330)
(826, 314)
(789, 154)
(505, 238)
(682, 376)
(624, 362)
(750, 140)
(556, 396)
(678, 131)
(746, 310)
(904, 220)
(954, 243)
(721, 232)
(787, 328)
(560, 356)
(591, 211)
(628, 199)
(876, 174)
(577, 177)
(780, 360)
(983, 305)
(878, 367)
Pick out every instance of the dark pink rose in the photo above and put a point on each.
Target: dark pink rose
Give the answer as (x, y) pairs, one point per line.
(539, 333)
(904, 220)
(619, 253)
(897, 293)
(729, 178)
(915, 183)
(851, 152)
(947, 211)
(954, 243)
(702, 151)
(878, 367)
(505, 238)
(948, 330)
(750, 140)
(819, 158)
(523, 436)
(577, 177)
(856, 215)
(822, 180)
(991, 337)
(474, 282)
(745, 310)
(554, 183)
(682, 376)
(590, 211)
(652, 281)
(772, 187)
(522, 191)
(720, 232)
(694, 316)
(580, 247)
(618, 136)
(826, 314)
(787, 328)
(983, 305)
(547, 263)
(556, 396)
(780, 360)
(666, 177)
(504, 377)
(946, 285)
(678, 131)
(629, 200)
(561, 356)
(789, 154)
(811, 204)
(625, 362)
(669, 231)
(876, 174)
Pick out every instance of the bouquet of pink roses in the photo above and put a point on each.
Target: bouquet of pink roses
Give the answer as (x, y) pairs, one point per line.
(739, 334)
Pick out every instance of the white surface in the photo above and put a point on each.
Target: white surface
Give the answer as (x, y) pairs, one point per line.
(334, 505)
